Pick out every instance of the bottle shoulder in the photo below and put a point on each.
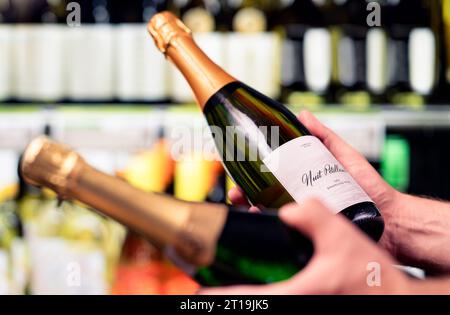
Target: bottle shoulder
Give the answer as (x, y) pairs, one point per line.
(240, 105)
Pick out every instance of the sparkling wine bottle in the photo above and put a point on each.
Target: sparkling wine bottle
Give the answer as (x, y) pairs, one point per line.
(214, 243)
(264, 147)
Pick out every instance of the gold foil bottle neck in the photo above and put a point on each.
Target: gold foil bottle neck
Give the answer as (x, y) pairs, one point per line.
(175, 40)
(191, 229)
(164, 27)
(48, 164)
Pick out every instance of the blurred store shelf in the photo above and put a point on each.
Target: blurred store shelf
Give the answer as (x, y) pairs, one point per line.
(128, 128)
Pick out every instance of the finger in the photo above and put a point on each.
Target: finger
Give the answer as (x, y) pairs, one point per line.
(337, 146)
(254, 209)
(355, 163)
(237, 197)
(311, 218)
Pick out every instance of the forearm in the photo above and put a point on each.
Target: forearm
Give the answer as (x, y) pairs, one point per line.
(418, 232)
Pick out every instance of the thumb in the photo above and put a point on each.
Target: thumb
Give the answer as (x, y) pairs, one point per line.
(335, 144)
(311, 218)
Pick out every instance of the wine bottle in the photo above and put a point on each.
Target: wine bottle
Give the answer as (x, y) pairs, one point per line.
(5, 239)
(216, 244)
(301, 83)
(90, 50)
(6, 57)
(137, 60)
(274, 166)
(251, 49)
(411, 56)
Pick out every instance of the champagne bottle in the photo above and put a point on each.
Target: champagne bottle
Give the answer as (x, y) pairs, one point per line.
(275, 166)
(216, 244)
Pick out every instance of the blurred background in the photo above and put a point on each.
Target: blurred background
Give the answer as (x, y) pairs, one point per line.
(86, 73)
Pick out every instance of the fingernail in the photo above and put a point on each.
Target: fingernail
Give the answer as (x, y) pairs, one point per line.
(254, 209)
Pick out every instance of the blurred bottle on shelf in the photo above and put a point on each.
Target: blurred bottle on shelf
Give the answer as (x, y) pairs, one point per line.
(199, 178)
(90, 54)
(68, 245)
(39, 52)
(395, 162)
(252, 53)
(440, 19)
(5, 267)
(85, 257)
(200, 15)
(67, 252)
(412, 53)
(151, 170)
(352, 53)
(446, 35)
(6, 12)
(138, 62)
(11, 268)
(307, 53)
(6, 50)
(376, 52)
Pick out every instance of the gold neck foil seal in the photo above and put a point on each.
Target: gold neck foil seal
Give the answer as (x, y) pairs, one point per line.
(175, 40)
(164, 27)
(190, 229)
(47, 164)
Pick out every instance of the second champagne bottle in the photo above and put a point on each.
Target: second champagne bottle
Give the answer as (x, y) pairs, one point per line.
(264, 147)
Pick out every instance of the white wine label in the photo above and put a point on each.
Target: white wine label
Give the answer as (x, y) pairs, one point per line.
(250, 53)
(317, 59)
(6, 44)
(306, 168)
(422, 60)
(376, 60)
(138, 63)
(39, 62)
(90, 62)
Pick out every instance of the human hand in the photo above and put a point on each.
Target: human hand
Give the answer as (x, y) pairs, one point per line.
(345, 261)
(385, 197)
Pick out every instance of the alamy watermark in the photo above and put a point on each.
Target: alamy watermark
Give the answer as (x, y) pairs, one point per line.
(374, 17)
(373, 278)
(74, 14)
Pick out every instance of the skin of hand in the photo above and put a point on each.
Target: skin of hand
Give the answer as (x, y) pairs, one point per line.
(344, 255)
(344, 262)
(412, 235)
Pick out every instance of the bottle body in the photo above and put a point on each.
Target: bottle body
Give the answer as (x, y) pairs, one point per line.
(244, 255)
(264, 147)
(211, 242)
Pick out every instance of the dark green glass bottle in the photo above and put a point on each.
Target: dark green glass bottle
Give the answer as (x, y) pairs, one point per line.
(264, 147)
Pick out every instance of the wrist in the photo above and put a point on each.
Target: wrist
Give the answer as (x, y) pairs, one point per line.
(392, 212)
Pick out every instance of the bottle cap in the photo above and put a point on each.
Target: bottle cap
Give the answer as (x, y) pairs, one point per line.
(49, 164)
(163, 27)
